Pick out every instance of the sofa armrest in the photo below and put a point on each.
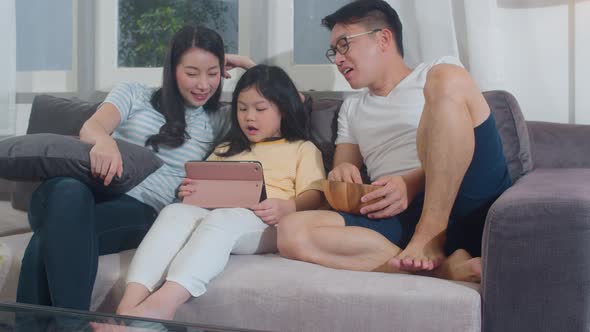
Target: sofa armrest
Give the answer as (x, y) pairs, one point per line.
(557, 145)
(536, 254)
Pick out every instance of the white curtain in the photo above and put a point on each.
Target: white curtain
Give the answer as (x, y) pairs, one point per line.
(462, 28)
(535, 49)
(7, 67)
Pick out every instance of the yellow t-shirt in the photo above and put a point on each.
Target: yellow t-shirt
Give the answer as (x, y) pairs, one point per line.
(289, 168)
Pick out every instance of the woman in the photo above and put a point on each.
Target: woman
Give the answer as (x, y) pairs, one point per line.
(180, 121)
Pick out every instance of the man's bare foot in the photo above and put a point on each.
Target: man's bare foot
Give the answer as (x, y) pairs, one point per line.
(423, 253)
(460, 266)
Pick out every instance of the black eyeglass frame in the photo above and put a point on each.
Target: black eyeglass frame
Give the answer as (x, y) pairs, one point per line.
(342, 48)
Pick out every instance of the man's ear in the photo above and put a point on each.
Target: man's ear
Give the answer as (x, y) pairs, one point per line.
(386, 39)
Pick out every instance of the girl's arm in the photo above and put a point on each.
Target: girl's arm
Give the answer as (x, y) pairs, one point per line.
(309, 200)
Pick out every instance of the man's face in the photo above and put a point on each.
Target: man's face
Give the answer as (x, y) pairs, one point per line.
(360, 65)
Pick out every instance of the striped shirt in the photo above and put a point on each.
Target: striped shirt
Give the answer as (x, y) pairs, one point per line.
(139, 120)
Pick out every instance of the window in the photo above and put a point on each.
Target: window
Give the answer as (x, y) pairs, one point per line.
(45, 46)
(261, 29)
(132, 45)
(297, 42)
(309, 34)
(145, 27)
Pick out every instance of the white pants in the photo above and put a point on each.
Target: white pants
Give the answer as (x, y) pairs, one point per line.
(191, 245)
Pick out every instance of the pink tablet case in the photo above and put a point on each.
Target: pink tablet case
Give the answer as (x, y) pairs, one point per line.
(221, 184)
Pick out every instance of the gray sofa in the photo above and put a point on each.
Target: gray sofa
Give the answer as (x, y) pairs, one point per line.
(536, 269)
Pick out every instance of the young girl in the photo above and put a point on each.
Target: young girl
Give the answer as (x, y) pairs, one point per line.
(189, 245)
(72, 225)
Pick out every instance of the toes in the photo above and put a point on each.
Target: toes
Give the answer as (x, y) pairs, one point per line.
(396, 262)
(408, 262)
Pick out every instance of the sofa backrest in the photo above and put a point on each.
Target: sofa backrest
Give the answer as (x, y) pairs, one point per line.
(509, 121)
(65, 116)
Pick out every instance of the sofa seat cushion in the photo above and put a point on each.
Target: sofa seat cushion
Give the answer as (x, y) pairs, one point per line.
(268, 292)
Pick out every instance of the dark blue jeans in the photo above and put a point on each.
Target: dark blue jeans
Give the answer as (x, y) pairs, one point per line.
(72, 228)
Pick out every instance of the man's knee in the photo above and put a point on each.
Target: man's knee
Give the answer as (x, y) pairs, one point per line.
(446, 82)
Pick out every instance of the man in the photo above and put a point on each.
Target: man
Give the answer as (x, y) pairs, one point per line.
(428, 140)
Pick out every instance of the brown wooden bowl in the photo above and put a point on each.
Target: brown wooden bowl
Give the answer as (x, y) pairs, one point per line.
(346, 197)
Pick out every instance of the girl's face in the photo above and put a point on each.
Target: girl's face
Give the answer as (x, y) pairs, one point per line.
(198, 76)
(258, 118)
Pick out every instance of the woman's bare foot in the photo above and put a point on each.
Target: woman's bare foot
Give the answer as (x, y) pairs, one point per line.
(460, 266)
(423, 253)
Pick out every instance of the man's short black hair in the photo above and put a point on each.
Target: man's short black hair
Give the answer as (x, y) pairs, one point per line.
(371, 13)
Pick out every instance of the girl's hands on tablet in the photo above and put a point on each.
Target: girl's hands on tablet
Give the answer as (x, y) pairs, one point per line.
(186, 188)
(272, 210)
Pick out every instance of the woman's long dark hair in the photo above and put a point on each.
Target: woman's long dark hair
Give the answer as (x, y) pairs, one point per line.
(274, 85)
(167, 100)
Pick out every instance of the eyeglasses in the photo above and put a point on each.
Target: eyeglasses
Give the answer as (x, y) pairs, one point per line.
(342, 45)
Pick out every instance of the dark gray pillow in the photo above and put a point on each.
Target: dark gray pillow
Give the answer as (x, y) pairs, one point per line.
(42, 156)
(513, 132)
(56, 115)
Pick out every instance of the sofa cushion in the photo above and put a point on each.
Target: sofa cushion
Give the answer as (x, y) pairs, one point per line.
(56, 115)
(271, 293)
(513, 132)
(42, 156)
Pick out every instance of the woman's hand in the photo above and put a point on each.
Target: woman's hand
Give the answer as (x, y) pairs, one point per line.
(236, 61)
(105, 160)
(272, 210)
(186, 188)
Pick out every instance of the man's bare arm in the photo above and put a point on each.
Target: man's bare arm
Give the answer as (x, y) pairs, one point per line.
(347, 162)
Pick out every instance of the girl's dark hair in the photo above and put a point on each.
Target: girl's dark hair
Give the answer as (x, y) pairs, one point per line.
(273, 84)
(167, 100)
(373, 14)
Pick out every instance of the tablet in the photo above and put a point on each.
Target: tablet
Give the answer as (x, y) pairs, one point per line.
(225, 184)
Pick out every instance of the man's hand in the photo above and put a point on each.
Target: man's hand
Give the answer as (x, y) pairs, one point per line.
(346, 172)
(272, 210)
(393, 194)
